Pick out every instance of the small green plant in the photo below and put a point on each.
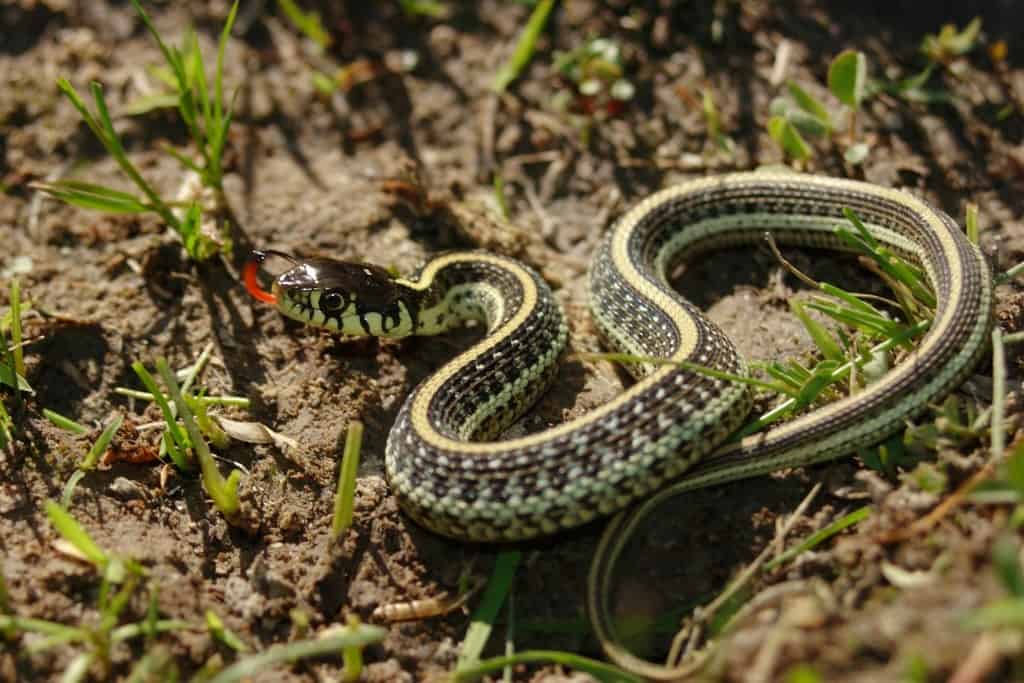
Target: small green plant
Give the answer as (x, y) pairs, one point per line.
(950, 43)
(713, 121)
(943, 50)
(870, 333)
(596, 73)
(803, 114)
(92, 457)
(119, 580)
(184, 440)
(307, 22)
(207, 117)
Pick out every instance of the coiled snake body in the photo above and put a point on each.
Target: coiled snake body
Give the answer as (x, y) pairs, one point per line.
(666, 427)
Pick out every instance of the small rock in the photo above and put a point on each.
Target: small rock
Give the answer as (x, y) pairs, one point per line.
(128, 489)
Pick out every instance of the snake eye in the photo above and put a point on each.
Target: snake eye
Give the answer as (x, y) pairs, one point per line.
(332, 301)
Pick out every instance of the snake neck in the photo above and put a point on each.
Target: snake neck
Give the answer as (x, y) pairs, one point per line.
(455, 289)
(451, 306)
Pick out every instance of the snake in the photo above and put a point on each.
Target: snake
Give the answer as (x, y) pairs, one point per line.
(668, 431)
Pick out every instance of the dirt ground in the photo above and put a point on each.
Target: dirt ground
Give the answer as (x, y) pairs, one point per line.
(307, 174)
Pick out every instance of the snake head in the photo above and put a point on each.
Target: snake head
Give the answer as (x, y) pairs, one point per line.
(352, 298)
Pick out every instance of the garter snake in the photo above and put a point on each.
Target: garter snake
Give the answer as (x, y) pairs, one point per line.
(658, 437)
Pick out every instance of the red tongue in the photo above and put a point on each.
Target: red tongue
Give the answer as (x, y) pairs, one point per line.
(253, 285)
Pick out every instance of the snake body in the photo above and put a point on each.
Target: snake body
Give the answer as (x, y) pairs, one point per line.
(665, 428)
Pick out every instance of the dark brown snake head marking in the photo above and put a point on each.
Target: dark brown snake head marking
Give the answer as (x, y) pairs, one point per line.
(352, 298)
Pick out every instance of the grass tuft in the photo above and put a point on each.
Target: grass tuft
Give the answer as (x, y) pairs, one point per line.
(207, 118)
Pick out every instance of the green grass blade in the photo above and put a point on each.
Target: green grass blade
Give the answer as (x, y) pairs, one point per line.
(197, 87)
(791, 376)
(865, 234)
(170, 57)
(6, 427)
(348, 636)
(822, 338)
(1008, 612)
(821, 377)
(68, 493)
(129, 631)
(94, 197)
(482, 623)
(113, 144)
(817, 537)
(1010, 273)
(1006, 562)
(851, 300)
(12, 379)
(98, 448)
(839, 373)
(218, 101)
(499, 195)
(897, 268)
(344, 499)
(64, 85)
(809, 103)
(873, 323)
(606, 673)
(17, 353)
(222, 634)
(218, 123)
(78, 669)
(198, 244)
(183, 160)
(188, 112)
(75, 534)
(511, 69)
(971, 222)
(170, 417)
(788, 138)
(49, 628)
(150, 103)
